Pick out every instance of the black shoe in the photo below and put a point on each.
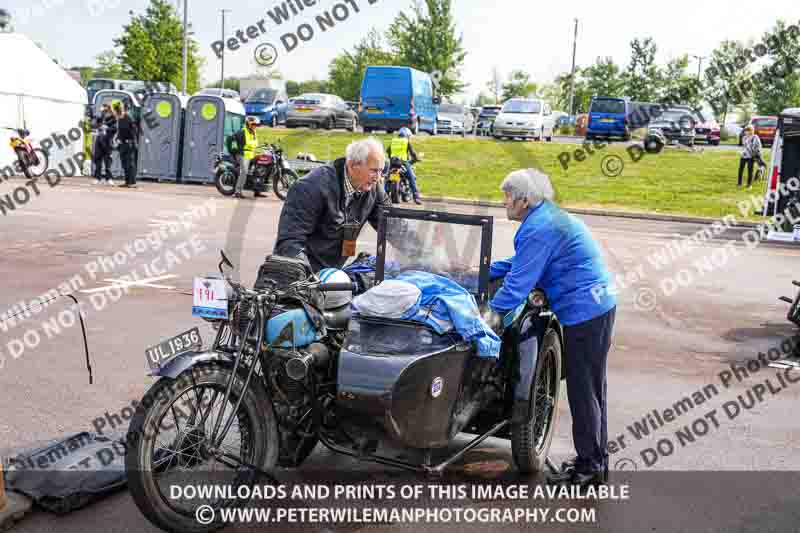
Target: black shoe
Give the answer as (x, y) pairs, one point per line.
(260, 195)
(562, 478)
(586, 479)
(238, 195)
(417, 201)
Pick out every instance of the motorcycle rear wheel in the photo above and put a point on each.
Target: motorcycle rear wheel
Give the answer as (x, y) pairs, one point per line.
(530, 440)
(152, 467)
(282, 183)
(225, 181)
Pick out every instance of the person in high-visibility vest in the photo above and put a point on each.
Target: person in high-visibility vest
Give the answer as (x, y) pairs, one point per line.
(245, 150)
(402, 149)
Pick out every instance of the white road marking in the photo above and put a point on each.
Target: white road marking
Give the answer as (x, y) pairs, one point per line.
(121, 284)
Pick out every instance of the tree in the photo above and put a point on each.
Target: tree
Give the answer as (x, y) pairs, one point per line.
(495, 85)
(726, 81)
(604, 78)
(109, 66)
(346, 71)
(483, 99)
(642, 77)
(519, 84)
(86, 73)
(427, 41)
(677, 86)
(777, 85)
(152, 47)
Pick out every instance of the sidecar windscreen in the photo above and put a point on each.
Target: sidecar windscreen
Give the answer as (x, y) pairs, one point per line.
(452, 245)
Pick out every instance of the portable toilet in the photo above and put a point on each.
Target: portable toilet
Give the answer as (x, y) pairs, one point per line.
(161, 138)
(209, 121)
(111, 97)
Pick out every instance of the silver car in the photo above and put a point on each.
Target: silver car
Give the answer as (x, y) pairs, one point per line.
(317, 110)
(455, 119)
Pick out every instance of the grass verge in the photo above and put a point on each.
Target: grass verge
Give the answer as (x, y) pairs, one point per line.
(672, 182)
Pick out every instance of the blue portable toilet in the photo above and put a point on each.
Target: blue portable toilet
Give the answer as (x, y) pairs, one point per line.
(161, 138)
(209, 120)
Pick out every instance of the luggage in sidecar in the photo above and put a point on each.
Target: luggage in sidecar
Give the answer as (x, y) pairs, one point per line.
(405, 376)
(400, 374)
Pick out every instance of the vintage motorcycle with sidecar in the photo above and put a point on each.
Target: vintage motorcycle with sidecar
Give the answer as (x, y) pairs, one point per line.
(292, 366)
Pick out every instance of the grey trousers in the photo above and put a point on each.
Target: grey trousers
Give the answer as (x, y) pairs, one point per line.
(244, 166)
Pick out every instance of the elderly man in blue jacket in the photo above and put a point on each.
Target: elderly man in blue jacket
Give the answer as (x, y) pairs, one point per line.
(555, 252)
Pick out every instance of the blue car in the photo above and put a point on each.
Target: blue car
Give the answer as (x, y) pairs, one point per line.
(608, 117)
(269, 105)
(397, 97)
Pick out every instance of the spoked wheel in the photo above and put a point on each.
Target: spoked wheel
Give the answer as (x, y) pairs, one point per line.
(530, 440)
(225, 181)
(170, 447)
(282, 183)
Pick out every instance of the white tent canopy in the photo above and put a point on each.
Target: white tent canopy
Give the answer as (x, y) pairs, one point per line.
(39, 95)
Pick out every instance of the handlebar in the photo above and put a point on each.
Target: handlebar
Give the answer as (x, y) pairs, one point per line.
(332, 287)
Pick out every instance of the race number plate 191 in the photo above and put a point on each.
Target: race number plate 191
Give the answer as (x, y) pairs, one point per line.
(210, 299)
(166, 351)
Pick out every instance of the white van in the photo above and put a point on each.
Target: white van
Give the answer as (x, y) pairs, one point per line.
(784, 165)
(526, 118)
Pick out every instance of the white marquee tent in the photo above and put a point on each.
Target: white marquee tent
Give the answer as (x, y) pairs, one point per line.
(39, 95)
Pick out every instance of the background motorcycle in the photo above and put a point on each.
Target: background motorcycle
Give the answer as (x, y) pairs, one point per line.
(270, 165)
(32, 164)
(397, 184)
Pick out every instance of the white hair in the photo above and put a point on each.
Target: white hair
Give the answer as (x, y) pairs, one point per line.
(529, 184)
(358, 151)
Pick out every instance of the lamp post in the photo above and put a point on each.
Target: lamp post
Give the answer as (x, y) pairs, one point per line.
(222, 69)
(185, 43)
(572, 76)
(699, 64)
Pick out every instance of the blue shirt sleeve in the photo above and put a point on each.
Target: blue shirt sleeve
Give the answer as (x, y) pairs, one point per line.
(527, 266)
(499, 269)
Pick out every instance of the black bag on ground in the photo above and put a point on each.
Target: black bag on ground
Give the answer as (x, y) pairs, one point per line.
(70, 473)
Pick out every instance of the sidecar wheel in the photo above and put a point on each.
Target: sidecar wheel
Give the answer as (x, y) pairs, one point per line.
(530, 441)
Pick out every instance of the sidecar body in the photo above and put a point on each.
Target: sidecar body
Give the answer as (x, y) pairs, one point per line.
(418, 385)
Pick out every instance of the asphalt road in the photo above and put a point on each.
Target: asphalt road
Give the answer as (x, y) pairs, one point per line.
(671, 340)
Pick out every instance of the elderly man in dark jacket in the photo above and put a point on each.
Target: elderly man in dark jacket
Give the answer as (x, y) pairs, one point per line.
(325, 211)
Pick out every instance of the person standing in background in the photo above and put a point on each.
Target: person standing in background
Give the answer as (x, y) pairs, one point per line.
(101, 153)
(751, 153)
(128, 135)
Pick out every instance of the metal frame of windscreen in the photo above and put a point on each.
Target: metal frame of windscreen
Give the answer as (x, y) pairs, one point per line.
(485, 222)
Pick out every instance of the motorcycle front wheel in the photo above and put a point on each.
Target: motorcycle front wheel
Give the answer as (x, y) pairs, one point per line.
(283, 182)
(225, 181)
(530, 440)
(170, 455)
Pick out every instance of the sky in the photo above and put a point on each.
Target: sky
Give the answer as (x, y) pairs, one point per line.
(508, 34)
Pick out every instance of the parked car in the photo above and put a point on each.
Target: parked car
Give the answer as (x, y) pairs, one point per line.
(608, 117)
(269, 105)
(397, 97)
(707, 130)
(675, 125)
(320, 110)
(224, 93)
(764, 127)
(454, 119)
(96, 85)
(526, 118)
(486, 119)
